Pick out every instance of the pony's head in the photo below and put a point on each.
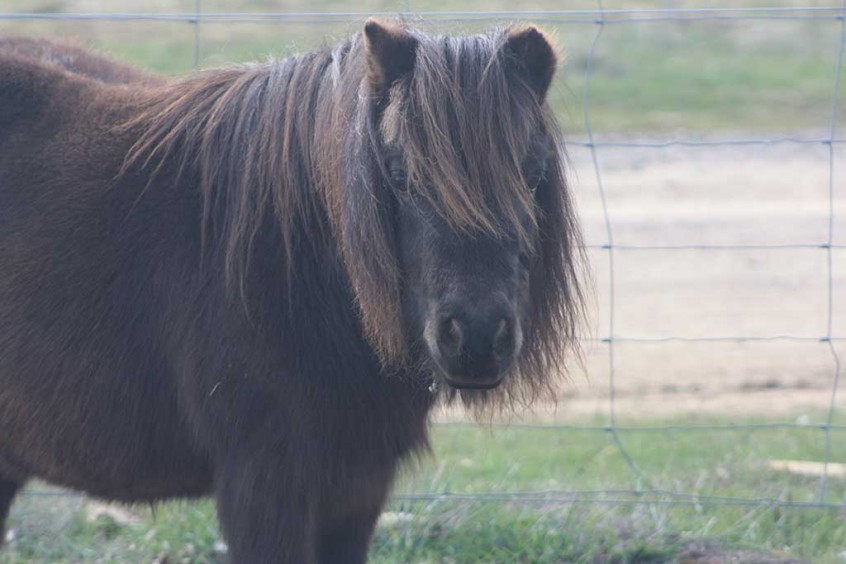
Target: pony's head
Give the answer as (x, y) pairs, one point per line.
(458, 231)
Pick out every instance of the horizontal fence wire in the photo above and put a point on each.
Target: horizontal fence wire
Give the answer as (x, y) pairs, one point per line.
(705, 143)
(569, 497)
(649, 428)
(643, 493)
(615, 497)
(719, 247)
(726, 339)
(584, 17)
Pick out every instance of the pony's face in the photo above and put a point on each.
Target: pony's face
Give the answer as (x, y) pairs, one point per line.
(459, 236)
(465, 294)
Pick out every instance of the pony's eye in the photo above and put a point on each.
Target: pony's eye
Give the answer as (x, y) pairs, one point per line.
(396, 170)
(535, 178)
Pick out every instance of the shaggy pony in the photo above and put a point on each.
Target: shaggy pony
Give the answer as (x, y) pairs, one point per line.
(257, 281)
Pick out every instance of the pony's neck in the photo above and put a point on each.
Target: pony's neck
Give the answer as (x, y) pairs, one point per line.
(264, 141)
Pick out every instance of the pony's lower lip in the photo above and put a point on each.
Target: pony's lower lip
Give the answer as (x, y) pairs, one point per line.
(465, 385)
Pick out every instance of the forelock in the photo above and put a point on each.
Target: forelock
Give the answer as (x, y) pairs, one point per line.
(465, 123)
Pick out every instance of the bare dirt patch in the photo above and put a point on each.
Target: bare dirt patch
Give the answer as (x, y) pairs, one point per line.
(756, 195)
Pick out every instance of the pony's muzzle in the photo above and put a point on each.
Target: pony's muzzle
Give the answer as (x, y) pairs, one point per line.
(474, 349)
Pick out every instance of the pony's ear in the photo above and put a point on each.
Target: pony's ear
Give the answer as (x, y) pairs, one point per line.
(535, 55)
(390, 53)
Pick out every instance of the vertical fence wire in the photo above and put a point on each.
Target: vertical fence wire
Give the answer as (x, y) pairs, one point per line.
(832, 134)
(609, 232)
(198, 8)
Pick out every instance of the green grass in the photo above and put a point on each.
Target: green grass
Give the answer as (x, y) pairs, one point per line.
(479, 460)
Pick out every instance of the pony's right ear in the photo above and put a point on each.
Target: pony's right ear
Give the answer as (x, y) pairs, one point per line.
(390, 52)
(535, 54)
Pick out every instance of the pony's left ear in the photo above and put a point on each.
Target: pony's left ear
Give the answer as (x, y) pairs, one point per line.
(534, 53)
(390, 54)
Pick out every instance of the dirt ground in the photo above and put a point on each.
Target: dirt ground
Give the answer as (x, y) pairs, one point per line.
(739, 195)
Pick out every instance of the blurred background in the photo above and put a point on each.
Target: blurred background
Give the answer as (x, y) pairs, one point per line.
(707, 150)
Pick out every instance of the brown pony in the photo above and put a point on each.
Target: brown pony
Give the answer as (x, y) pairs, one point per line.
(256, 282)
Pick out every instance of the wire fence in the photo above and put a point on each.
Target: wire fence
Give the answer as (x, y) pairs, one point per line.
(600, 18)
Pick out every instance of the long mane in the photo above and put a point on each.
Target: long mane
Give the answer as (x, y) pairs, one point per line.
(300, 142)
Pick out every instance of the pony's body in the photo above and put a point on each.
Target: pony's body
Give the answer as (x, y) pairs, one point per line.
(160, 335)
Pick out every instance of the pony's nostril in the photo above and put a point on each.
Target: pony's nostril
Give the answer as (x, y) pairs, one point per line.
(450, 337)
(503, 342)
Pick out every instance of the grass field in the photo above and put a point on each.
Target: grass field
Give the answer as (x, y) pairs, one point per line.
(468, 460)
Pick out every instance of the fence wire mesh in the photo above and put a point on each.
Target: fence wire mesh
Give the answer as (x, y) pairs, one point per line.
(600, 18)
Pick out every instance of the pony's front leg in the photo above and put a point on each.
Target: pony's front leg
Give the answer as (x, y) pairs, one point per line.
(349, 513)
(348, 541)
(266, 513)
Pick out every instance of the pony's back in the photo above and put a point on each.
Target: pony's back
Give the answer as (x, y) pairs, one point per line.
(74, 60)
